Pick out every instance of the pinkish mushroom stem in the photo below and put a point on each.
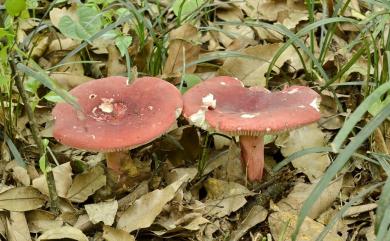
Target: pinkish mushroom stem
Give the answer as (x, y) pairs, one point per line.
(252, 156)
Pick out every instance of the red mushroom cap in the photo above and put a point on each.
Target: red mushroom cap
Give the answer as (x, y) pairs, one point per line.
(255, 111)
(117, 116)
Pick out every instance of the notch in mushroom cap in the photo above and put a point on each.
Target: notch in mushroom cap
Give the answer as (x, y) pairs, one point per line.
(250, 113)
(117, 116)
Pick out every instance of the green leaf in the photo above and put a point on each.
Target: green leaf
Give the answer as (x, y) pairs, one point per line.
(123, 42)
(182, 8)
(15, 7)
(42, 160)
(32, 85)
(190, 80)
(53, 97)
(378, 106)
(88, 24)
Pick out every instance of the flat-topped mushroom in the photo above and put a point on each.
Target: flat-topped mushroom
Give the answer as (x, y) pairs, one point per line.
(117, 116)
(223, 104)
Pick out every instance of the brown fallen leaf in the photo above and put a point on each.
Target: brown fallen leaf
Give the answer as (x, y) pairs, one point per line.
(251, 70)
(21, 199)
(114, 64)
(86, 184)
(68, 80)
(224, 197)
(256, 215)
(65, 232)
(182, 42)
(62, 177)
(102, 212)
(40, 221)
(17, 229)
(312, 164)
(113, 234)
(135, 216)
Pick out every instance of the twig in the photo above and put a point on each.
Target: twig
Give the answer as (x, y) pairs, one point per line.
(53, 196)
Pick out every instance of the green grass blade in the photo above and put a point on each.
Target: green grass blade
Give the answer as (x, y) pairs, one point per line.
(357, 115)
(383, 205)
(340, 161)
(15, 152)
(383, 229)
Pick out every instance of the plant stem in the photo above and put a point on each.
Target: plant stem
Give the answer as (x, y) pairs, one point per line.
(53, 196)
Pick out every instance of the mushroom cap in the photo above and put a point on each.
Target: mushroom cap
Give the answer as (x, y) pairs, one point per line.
(117, 116)
(254, 111)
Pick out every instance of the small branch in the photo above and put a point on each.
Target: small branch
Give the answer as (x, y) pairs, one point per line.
(37, 139)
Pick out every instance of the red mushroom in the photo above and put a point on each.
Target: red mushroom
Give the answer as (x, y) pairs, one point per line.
(223, 104)
(117, 116)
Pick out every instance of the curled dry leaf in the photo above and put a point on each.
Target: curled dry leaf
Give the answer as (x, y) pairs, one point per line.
(21, 199)
(251, 70)
(65, 232)
(86, 184)
(135, 216)
(313, 164)
(102, 212)
(62, 177)
(113, 234)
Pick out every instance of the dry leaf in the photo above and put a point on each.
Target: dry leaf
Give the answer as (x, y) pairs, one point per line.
(57, 13)
(182, 39)
(301, 192)
(65, 232)
(313, 164)
(86, 184)
(251, 70)
(62, 177)
(102, 212)
(20, 174)
(21, 199)
(17, 229)
(114, 64)
(68, 80)
(309, 231)
(113, 234)
(256, 215)
(135, 216)
(41, 221)
(223, 197)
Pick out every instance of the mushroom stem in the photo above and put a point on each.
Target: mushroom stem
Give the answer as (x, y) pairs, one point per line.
(252, 156)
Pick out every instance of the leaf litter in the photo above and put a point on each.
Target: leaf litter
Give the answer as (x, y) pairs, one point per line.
(175, 197)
